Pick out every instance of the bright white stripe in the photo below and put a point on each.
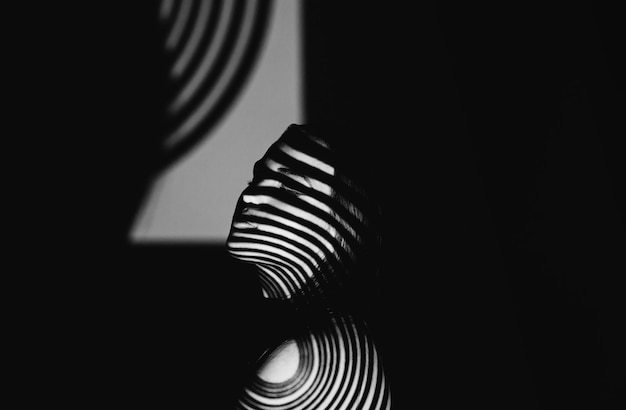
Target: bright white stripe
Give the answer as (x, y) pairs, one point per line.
(369, 361)
(194, 40)
(245, 406)
(252, 255)
(277, 242)
(291, 260)
(307, 159)
(320, 205)
(297, 226)
(344, 352)
(243, 225)
(179, 24)
(323, 188)
(314, 183)
(354, 383)
(381, 395)
(274, 277)
(224, 81)
(266, 275)
(322, 392)
(279, 231)
(290, 235)
(295, 211)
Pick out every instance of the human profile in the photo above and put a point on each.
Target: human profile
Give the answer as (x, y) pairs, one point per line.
(312, 229)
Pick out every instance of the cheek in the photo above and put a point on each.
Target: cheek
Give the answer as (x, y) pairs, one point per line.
(266, 199)
(322, 187)
(271, 193)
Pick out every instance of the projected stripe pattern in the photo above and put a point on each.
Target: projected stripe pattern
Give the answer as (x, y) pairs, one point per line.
(338, 368)
(305, 224)
(300, 222)
(211, 45)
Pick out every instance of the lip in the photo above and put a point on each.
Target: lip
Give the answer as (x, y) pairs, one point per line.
(242, 221)
(244, 224)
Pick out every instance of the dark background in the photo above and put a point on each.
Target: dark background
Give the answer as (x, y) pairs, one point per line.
(495, 130)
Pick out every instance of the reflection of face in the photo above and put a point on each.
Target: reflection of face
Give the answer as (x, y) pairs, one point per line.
(291, 221)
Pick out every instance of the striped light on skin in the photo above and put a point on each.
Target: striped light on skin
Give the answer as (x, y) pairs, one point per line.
(299, 213)
(282, 250)
(333, 368)
(281, 364)
(293, 224)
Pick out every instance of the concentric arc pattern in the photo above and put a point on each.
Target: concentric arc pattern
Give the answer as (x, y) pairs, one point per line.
(303, 223)
(211, 46)
(338, 368)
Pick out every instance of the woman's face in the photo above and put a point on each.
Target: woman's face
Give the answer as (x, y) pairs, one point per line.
(287, 220)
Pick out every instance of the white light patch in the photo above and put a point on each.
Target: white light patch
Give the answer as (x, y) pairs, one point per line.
(282, 364)
(294, 395)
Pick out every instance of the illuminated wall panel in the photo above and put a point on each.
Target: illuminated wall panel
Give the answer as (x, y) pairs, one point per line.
(194, 200)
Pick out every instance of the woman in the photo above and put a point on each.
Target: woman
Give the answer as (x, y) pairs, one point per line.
(311, 225)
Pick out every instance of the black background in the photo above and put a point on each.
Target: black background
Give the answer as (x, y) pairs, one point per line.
(495, 130)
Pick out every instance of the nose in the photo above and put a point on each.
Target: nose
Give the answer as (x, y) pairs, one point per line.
(251, 199)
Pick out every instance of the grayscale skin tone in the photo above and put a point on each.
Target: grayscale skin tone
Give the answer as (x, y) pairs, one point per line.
(294, 226)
